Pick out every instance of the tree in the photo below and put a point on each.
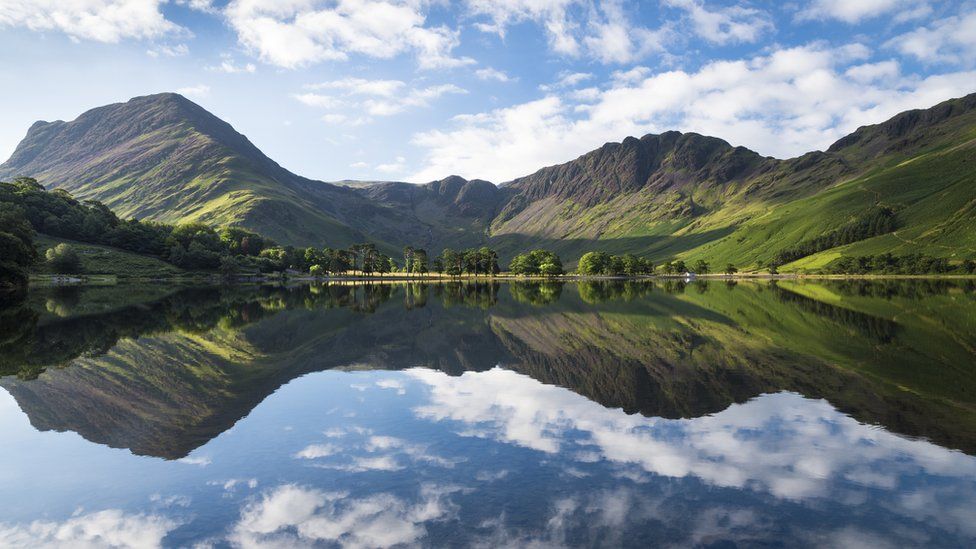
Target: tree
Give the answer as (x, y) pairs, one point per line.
(472, 262)
(530, 263)
(316, 270)
(593, 263)
(408, 259)
(452, 262)
(701, 266)
(550, 269)
(488, 261)
(63, 259)
(730, 269)
(419, 261)
(17, 251)
(680, 267)
(969, 266)
(229, 266)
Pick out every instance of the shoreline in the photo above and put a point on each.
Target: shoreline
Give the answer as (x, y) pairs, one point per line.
(108, 280)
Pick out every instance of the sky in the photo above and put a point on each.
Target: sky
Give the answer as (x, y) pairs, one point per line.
(415, 90)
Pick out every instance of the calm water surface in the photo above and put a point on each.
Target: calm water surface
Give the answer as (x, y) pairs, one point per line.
(549, 414)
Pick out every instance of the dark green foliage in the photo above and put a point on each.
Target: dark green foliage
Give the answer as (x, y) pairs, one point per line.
(190, 246)
(891, 264)
(63, 259)
(878, 221)
(17, 251)
(731, 269)
(473, 261)
(602, 263)
(536, 262)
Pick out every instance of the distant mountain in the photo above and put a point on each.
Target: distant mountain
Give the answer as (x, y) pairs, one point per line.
(673, 195)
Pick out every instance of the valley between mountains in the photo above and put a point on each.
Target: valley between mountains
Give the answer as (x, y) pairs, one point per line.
(668, 196)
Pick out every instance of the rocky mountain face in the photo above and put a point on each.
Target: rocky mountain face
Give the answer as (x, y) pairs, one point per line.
(670, 195)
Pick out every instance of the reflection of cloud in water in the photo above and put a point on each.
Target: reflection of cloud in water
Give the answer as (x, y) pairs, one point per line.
(792, 447)
(108, 528)
(292, 515)
(376, 453)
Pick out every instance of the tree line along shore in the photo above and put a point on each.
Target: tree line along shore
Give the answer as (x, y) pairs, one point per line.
(27, 209)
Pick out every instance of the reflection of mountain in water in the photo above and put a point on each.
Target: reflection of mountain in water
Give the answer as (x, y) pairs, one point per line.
(169, 373)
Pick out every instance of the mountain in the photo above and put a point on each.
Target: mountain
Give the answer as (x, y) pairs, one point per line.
(673, 195)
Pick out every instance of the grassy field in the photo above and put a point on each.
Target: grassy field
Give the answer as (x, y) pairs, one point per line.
(105, 260)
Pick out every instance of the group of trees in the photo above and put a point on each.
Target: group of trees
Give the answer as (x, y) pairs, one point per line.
(602, 263)
(473, 261)
(57, 213)
(893, 264)
(17, 251)
(878, 221)
(536, 263)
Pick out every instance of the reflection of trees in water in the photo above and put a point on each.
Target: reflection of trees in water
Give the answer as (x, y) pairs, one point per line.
(536, 292)
(600, 291)
(908, 288)
(482, 295)
(879, 329)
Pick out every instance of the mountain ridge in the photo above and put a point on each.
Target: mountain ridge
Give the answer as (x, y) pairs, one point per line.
(668, 195)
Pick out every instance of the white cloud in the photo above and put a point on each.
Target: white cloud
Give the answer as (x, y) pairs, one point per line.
(784, 104)
(99, 20)
(296, 33)
(293, 515)
(397, 166)
(726, 24)
(319, 100)
(359, 165)
(601, 30)
(949, 40)
(851, 12)
(873, 72)
(567, 79)
(198, 91)
(489, 73)
(315, 451)
(109, 528)
(362, 86)
(229, 67)
(372, 97)
(178, 50)
(394, 384)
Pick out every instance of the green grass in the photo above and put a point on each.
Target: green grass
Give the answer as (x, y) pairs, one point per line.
(105, 260)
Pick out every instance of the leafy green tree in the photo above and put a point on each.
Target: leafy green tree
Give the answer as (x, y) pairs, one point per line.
(419, 261)
(316, 270)
(472, 262)
(680, 267)
(701, 266)
(530, 263)
(229, 266)
(593, 263)
(969, 266)
(17, 252)
(731, 269)
(63, 259)
(453, 262)
(488, 261)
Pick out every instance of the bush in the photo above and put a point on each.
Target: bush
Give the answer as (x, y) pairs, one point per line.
(63, 259)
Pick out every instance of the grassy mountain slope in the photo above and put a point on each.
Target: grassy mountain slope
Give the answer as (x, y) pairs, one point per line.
(163, 157)
(664, 196)
(689, 196)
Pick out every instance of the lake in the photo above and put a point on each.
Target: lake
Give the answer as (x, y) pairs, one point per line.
(616, 413)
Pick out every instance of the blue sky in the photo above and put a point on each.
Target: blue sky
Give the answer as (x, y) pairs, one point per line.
(419, 89)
